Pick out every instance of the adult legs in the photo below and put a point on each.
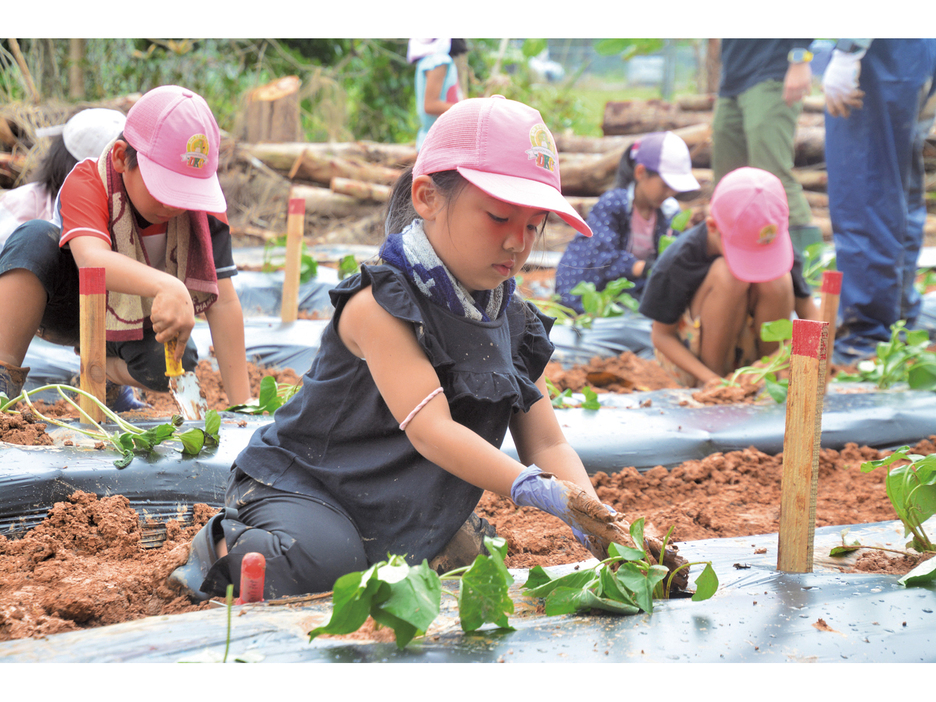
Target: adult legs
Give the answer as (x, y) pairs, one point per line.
(868, 158)
(729, 147)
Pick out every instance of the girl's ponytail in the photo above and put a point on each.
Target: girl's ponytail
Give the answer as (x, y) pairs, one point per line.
(625, 171)
(400, 211)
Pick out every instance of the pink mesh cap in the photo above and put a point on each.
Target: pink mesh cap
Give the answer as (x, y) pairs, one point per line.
(177, 141)
(504, 148)
(750, 209)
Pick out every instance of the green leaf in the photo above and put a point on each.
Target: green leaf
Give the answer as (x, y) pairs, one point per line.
(777, 330)
(706, 584)
(641, 584)
(922, 376)
(213, 425)
(777, 389)
(578, 580)
(566, 600)
(484, 595)
(626, 553)
(533, 47)
(351, 602)
(192, 441)
(591, 399)
(610, 588)
(416, 598)
(677, 225)
(923, 574)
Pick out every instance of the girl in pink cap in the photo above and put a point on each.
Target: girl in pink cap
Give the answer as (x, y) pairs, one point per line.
(430, 358)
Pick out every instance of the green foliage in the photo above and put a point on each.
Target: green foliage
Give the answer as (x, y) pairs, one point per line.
(780, 330)
(904, 358)
(628, 48)
(625, 583)
(408, 598)
(131, 439)
(348, 265)
(274, 259)
(911, 489)
(272, 396)
(817, 258)
(926, 279)
(563, 400)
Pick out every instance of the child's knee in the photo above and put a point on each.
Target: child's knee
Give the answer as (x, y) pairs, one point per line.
(720, 275)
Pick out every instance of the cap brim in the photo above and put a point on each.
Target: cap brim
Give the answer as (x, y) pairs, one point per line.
(681, 183)
(526, 193)
(176, 190)
(770, 263)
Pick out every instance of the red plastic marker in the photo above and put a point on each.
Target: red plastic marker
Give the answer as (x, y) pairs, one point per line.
(253, 572)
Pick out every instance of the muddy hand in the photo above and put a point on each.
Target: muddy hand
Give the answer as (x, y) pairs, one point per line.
(568, 502)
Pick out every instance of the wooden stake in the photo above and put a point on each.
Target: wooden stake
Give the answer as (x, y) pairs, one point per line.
(295, 222)
(801, 446)
(92, 311)
(828, 310)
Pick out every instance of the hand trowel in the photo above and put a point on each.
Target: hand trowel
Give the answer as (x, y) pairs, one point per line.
(184, 385)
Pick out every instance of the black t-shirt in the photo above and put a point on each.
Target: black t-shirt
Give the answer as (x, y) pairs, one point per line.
(680, 271)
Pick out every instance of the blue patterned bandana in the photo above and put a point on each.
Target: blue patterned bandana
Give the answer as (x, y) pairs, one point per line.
(411, 252)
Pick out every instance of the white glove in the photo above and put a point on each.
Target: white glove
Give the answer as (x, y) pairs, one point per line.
(840, 83)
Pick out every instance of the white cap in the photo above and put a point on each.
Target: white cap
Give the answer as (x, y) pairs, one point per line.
(420, 48)
(88, 132)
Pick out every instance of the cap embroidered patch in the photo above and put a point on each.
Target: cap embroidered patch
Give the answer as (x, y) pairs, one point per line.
(544, 148)
(767, 234)
(196, 149)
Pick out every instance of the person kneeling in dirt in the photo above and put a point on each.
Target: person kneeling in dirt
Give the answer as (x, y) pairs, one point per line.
(143, 211)
(430, 358)
(718, 282)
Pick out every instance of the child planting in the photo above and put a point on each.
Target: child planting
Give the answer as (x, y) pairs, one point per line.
(714, 287)
(150, 211)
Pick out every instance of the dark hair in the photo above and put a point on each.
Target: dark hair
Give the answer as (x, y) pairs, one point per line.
(459, 46)
(400, 211)
(55, 166)
(626, 168)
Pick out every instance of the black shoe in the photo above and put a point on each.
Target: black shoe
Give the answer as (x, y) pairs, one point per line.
(190, 576)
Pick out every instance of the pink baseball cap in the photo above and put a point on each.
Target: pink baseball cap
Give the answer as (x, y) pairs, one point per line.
(668, 155)
(504, 148)
(177, 141)
(750, 209)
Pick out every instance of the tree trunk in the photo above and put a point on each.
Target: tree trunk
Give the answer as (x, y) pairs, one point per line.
(282, 157)
(713, 66)
(322, 168)
(361, 190)
(273, 112)
(76, 59)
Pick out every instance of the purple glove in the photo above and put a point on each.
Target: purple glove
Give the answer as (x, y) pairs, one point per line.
(534, 488)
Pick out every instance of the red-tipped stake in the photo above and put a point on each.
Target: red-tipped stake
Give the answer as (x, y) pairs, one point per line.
(808, 357)
(92, 310)
(253, 573)
(295, 223)
(828, 309)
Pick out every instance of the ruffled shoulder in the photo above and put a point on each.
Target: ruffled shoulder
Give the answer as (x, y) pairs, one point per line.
(396, 295)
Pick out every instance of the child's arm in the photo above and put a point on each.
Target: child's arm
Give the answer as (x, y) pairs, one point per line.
(539, 439)
(666, 340)
(226, 320)
(404, 377)
(173, 313)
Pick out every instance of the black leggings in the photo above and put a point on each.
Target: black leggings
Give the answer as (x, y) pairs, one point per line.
(307, 543)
